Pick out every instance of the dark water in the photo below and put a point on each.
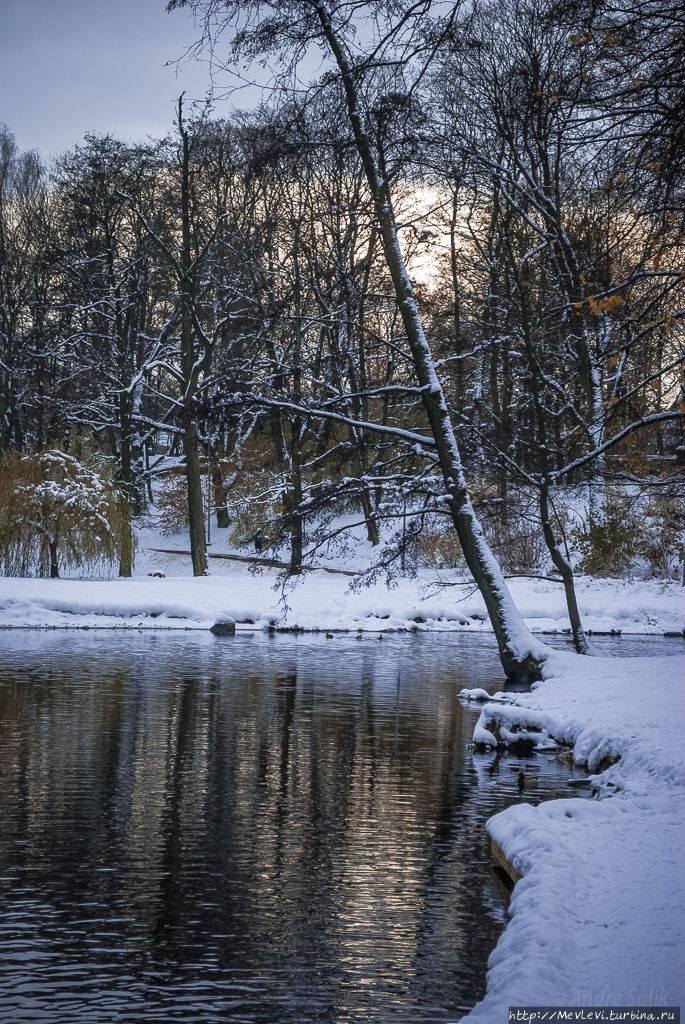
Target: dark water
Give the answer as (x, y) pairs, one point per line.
(253, 829)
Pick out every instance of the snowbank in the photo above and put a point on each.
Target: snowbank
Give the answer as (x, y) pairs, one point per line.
(320, 600)
(599, 915)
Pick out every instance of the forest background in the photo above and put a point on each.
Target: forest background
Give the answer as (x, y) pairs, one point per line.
(440, 286)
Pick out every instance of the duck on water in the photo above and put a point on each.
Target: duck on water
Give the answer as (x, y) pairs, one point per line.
(526, 781)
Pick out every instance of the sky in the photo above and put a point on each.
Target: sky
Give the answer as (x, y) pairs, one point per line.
(72, 66)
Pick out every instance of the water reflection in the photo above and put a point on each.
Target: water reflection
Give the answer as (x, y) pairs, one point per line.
(252, 829)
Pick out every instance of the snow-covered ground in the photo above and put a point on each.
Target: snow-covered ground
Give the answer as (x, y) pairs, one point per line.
(322, 600)
(598, 918)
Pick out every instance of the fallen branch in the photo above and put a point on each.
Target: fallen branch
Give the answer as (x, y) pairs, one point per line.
(512, 576)
(268, 562)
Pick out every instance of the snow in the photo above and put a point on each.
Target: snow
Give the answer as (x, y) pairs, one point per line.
(512, 724)
(320, 600)
(599, 914)
(483, 735)
(477, 693)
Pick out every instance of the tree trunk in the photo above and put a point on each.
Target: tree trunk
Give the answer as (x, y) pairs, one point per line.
(219, 488)
(521, 656)
(126, 550)
(566, 571)
(54, 568)
(456, 295)
(358, 438)
(148, 478)
(126, 472)
(371, 524)
(562, 564)
(196, 517)
(359, 444)
(294, 498)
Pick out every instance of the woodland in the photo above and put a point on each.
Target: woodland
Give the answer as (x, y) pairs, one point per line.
(438, 287)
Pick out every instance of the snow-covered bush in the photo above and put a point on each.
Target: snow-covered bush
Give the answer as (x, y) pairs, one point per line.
(56, 510)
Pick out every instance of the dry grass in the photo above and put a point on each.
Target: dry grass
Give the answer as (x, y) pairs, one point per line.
(54, 498)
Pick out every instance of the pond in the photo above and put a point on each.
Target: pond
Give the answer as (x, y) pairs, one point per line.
(259, 828)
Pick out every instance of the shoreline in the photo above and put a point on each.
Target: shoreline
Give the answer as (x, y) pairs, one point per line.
(600, 904)
(328, 602)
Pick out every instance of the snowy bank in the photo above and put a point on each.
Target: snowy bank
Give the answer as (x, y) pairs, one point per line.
(320, 600)
(598, 918)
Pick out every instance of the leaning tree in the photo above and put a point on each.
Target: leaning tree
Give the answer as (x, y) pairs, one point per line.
(368, 66)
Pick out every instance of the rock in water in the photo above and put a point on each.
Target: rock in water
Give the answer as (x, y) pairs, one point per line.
(223, 626)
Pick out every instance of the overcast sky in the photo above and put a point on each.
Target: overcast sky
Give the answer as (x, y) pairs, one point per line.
(71, 66)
